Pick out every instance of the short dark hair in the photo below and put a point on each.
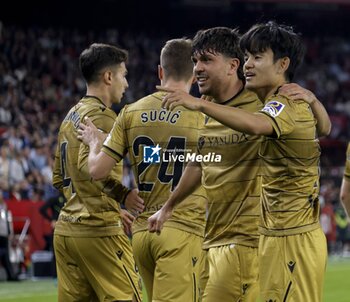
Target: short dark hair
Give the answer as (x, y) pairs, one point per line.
(175, 59)
(282, 40)
(97, 57)
(222, 40)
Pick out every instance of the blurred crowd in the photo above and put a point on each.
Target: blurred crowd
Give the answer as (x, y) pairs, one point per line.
(40, 81)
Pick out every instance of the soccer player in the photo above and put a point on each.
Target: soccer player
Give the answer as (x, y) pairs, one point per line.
(233, 184)
(93, 254)
(233, 187)
(292, 246)
(158, 142)
(345, 186)
(6, 234)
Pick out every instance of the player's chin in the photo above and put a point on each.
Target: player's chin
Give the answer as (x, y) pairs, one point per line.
(250, 85)
(203, 90)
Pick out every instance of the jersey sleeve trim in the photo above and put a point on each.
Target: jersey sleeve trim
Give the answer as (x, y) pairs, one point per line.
(277, 132)
(118, 157)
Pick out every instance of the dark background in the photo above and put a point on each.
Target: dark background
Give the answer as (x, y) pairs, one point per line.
(176, 17)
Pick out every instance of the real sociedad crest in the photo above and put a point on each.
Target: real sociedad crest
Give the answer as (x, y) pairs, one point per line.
(273, 108)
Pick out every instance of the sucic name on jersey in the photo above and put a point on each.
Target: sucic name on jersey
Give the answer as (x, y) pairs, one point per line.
(160, 116)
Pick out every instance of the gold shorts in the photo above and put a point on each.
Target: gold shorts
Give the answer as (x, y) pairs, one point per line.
(233, 274)
(292, 267)
(169, 264)
(96, 269)
(204, 274)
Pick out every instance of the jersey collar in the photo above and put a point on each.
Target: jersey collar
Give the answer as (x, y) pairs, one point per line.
(94, 97)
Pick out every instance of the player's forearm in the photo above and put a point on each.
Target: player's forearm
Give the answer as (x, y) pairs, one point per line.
(323, 121)
(115, 189)
(189, 182)
(94, 165)
(345, 195)
(237, 119)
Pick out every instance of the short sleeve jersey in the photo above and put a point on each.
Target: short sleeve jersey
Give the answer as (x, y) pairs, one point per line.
(232, 185)
(347, 163)
(157, 141)
(290, 169)
(88, 211)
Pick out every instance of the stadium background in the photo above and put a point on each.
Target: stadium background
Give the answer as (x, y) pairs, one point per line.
(39, 80)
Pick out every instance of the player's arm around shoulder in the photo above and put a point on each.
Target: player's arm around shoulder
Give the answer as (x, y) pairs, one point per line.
(231, 117)
(235, 118)
(99, 163)
(296, 93)
(102, 121)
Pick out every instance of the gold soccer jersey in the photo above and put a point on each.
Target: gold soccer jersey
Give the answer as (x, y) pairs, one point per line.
(88, 211)
(290, 169)
(347, 163)
(233, 185)
(158, 159)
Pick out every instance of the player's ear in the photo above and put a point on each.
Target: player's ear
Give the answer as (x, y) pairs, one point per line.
(283, 64)
(160, 72)
(234, 65)
(107, 76)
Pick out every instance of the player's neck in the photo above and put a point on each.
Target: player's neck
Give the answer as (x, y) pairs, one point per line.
(265, 92)
(92, 91)
(181, 85)
(228, 91)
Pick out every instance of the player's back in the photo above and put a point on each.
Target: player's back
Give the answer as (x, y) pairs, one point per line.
(158, 142)
(87, 207)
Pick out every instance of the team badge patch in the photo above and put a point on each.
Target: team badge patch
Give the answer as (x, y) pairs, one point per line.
(273, 108)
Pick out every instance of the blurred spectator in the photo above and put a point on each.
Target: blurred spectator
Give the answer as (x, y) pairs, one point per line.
(25, 162)
(5, 115)
(343, 236)
(36, 194)
(37, 157)
(328, 224)
(4, 166)
(6, 232)
(14, 141)
(50, 211)
(16, 171)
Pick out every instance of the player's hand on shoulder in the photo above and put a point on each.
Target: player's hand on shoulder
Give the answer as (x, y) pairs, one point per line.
(178, 97)
(88, 132)
(134, 203)
(295, 92)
